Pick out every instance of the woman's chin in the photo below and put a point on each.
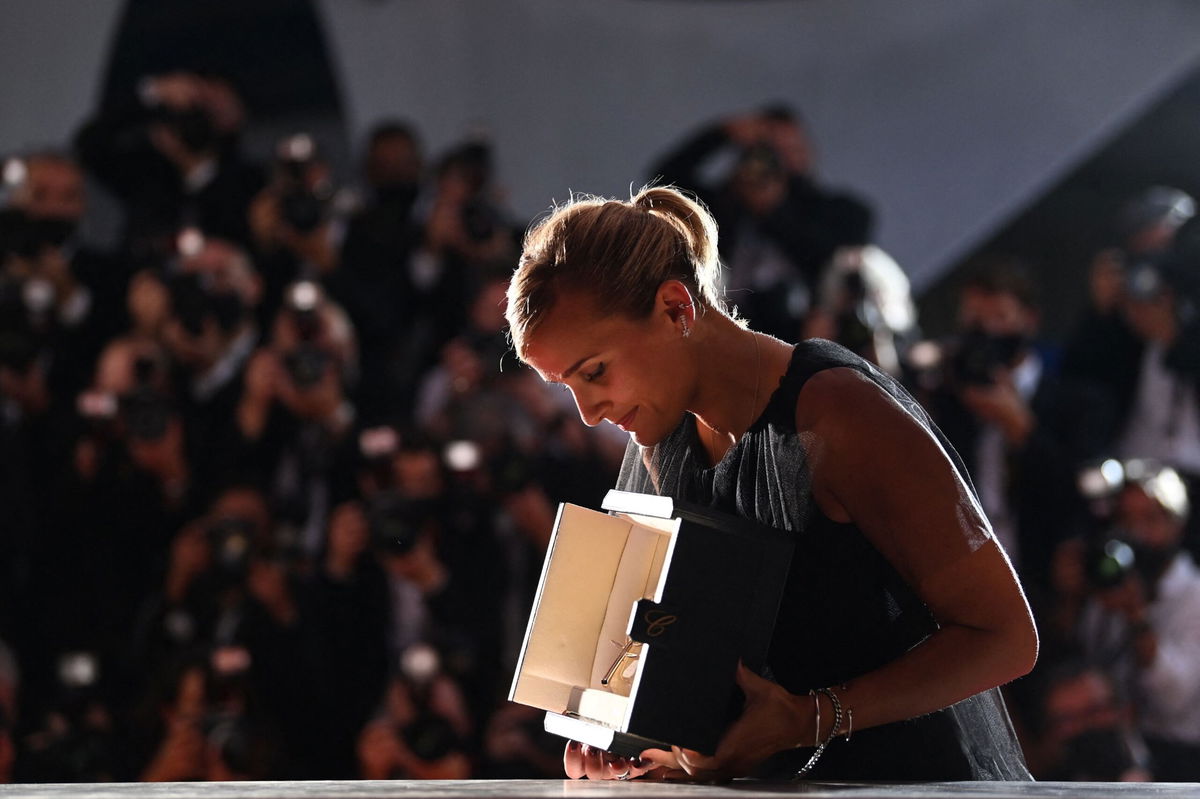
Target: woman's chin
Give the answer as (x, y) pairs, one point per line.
(644, 439)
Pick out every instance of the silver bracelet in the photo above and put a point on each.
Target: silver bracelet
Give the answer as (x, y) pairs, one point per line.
(817, 727)
(837, 722)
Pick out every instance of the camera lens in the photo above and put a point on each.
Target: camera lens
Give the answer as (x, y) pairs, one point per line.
(306, 364)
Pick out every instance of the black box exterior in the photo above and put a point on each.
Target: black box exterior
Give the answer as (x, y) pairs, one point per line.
(719, 604)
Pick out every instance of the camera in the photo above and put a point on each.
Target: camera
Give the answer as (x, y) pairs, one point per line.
(303, 210)
(979, 354)
(306, 362)
(512, 470)
(192, 126)
(859, 319)
(146, 410)
(758, 164)
(306, 365)
(396, 522)
(19, 350)
(302, 205)
(73, 746)
(472, 162)
(1144, 281)
(480, 219)
(25, 321)
(26, 304)
(1107, 560)
(430, 737)
(1103, 755)
(193, 301)
(232, 541)
(377, 446)
(1110, 553)
(25, 236)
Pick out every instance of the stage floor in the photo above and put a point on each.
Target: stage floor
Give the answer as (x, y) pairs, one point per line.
(517, 789)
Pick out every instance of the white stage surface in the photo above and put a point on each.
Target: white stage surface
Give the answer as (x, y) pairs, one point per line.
(536, 789)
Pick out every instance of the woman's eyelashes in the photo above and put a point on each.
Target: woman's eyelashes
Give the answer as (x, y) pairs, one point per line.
(595, 374)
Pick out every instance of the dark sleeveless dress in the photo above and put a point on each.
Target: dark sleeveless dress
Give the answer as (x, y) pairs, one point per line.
(845, 610)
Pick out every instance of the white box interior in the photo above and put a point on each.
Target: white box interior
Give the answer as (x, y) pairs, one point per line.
(597, 568)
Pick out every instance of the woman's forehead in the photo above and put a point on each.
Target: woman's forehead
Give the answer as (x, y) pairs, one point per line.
(571, 332)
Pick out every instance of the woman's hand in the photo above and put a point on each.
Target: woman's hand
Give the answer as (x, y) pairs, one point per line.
(581, 760)
(773, 720)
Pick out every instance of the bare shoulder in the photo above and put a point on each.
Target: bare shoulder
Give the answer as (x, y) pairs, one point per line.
(874, 457)
(844, 398)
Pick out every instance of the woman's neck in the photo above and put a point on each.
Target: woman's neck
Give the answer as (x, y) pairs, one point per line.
(736, 371)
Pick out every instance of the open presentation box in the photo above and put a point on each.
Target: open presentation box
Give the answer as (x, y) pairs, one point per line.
(641, 616)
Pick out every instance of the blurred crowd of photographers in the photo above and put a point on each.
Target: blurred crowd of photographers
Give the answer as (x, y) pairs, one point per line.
(277, 494)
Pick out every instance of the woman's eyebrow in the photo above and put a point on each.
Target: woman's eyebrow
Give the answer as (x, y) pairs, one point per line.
(575, 367)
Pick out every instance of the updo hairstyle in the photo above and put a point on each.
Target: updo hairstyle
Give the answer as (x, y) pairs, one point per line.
(619, 253)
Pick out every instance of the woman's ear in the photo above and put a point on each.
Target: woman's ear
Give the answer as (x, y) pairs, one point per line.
(675, 300)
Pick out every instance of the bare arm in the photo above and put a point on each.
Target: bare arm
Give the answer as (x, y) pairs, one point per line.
(879, 468)
(876, 466)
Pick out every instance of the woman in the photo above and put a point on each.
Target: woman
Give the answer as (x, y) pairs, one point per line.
(900, 603)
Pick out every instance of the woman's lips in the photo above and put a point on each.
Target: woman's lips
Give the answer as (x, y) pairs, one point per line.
(625, 421)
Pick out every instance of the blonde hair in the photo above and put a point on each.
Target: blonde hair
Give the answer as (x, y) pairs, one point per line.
(619, 252)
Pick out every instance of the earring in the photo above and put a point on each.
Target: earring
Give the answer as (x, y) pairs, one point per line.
(683, 320)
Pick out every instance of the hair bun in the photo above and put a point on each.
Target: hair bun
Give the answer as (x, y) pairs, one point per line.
(692, 220)
(619, 252)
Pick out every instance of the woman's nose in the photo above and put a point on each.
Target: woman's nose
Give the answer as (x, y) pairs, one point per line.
(591, 410)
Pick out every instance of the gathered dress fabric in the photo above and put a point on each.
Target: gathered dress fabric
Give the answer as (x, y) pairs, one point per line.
(845, 610)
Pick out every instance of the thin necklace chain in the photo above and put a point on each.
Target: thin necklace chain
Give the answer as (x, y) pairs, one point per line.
(757, 380)
(712, 435)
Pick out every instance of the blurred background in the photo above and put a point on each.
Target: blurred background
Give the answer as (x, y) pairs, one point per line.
(277, 494)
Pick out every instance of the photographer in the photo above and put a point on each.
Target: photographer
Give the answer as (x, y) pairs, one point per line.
(1144, 229)
(779, 227)
(344, 604)
(466, 238)
(37, 432)
(230, 586)
(1145, 354)
(1138, 597)
(206, 723)
(200, 311)
(1021, 430)
(214, 566)
(421, 729)
(170, 152)
(43, 254)
(865, 304)
(375, 282)
(297, 220)
(467, 225)
(447, 529)
(294, 415)
(73, 738)
(103, 538)
(1087, 730)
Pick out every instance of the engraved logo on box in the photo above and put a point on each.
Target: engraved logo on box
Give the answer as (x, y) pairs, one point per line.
(657, 622)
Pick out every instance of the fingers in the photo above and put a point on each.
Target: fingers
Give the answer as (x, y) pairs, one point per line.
(581, 760)
(601, 765)
(660, 758)
(573, 761)
(696, 764)
(748, 681)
